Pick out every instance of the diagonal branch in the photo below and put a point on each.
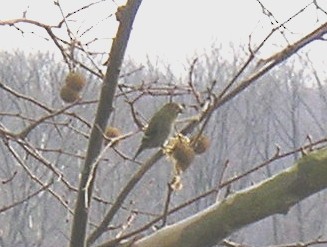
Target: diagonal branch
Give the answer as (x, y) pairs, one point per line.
(275, 195)
(268, 65)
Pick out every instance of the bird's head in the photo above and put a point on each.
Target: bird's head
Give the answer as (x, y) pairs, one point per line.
(174, 108)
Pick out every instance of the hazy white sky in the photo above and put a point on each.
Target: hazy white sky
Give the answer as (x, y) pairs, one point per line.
(169, 29)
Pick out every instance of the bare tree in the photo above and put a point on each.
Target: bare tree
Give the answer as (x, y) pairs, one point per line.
(63, 176)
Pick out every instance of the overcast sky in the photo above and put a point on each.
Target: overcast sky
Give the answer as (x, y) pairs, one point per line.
(169, 29)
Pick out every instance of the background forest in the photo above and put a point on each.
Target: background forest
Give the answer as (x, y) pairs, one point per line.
(279, 113)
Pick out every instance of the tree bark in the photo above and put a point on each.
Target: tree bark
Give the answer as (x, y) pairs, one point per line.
(275, 195)
(125, 15)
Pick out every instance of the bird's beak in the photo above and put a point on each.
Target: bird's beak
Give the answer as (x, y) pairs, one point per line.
(181, 108)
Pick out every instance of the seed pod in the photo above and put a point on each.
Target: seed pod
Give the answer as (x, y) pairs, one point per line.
(182, 153)
(75, 81)
(200, 144)
(111, 132)
(68, 95)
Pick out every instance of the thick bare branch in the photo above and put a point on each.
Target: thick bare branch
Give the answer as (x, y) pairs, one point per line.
(125, 16)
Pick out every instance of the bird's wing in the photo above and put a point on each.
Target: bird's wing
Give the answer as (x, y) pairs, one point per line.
(152, 131)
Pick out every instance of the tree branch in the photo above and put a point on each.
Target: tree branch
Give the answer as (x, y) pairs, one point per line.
(104, 110)
(275, 195)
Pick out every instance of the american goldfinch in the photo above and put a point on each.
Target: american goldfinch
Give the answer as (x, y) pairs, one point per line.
(159, 127)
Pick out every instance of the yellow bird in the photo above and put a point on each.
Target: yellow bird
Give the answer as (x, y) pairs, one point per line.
(160, 127)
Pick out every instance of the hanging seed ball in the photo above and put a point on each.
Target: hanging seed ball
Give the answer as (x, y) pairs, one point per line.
(111, 132)
(182, 153)
(75, 81)
(68, 95)
(200, 144)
